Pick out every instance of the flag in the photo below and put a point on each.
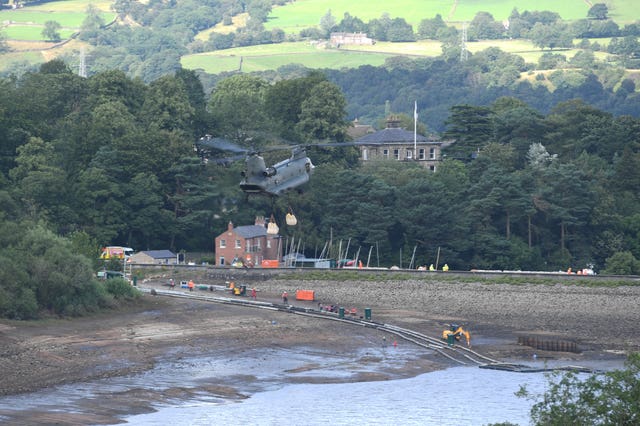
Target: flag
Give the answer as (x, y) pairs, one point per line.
(415, 111)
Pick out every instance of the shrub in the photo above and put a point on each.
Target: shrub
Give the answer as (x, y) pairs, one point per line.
(601, 399)
(622, 263)
(120, 288)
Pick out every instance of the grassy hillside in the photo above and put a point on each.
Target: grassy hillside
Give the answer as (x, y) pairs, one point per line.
(28, 23)
(272, 56)
(23, 28)
(307, 13)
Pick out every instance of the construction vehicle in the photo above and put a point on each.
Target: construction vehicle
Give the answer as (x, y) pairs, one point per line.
(237, 290)
(455, 332)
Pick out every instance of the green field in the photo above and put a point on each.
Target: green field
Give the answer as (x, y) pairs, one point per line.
(73, 5)
(307, 13)
(273, 56)
(33, 32)
(27, 23)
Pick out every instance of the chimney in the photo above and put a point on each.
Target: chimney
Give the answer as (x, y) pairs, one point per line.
(230, 226)
(393, 122)
(260, 221)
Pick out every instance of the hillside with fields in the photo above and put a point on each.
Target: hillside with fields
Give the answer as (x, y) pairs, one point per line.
(541, 52)
(297, 22)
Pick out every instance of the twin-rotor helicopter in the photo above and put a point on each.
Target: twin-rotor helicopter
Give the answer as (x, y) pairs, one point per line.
(257, 177)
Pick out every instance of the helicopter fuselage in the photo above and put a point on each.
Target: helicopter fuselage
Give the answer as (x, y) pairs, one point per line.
(279, 178)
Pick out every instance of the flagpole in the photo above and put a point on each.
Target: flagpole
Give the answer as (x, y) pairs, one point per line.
(415, 130)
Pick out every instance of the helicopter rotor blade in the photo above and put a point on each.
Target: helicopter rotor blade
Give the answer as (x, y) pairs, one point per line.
(225, 161)
(334, 144)
(220, 144)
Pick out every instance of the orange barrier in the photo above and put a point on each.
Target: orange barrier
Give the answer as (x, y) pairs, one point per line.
(269, 263)
(305, 295)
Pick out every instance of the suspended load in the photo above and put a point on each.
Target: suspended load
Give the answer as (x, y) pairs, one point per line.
(291, 219)
(272, 227)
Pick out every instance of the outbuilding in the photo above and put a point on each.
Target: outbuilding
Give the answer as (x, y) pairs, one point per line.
(156, 257)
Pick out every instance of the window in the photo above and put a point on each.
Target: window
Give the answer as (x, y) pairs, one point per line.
(365, 154)
(409, 154)
(268, 244)
(221, 260)
(421, 154)
(253, 245)
(432, 153)
(223, 243)
(396, 154)
(432, 168)
(385, 153)
(238, 244)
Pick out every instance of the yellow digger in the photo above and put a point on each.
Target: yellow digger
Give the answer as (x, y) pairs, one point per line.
(455, 332)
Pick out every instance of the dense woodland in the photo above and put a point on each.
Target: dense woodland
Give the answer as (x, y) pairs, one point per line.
(544, 173)
(112, 157)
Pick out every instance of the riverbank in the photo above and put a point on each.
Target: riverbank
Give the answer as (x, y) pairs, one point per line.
(602, 322)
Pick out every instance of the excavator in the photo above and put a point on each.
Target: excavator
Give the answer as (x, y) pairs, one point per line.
(457, 332)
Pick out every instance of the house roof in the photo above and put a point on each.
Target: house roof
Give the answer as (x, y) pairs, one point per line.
(392, 135)
(159, 254)
(251, 231)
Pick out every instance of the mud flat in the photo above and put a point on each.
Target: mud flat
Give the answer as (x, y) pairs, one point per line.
(602, 321)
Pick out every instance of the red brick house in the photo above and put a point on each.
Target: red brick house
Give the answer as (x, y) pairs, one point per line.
(250, 244)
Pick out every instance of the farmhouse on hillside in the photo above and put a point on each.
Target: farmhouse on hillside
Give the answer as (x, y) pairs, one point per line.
(338, 39)
(249, 244)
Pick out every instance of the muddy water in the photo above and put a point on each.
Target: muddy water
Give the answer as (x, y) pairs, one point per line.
(269, 387)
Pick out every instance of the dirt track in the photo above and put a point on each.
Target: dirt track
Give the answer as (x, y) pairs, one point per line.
(602, 321)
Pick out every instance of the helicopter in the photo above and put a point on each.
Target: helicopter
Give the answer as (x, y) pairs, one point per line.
(257, 177)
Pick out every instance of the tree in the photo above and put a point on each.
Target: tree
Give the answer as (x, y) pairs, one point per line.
(428, 28)
(39, 181)
(538, 157)
(62, 281)
(195, 200)
(471, 127)
(483, 26)
(622, 263)
(148, 222)
(378, 27)
(351, 24)
(284, 100)
(259, 9)
(101, 206)
(322, 114)
(551, 36)
(51, 31)
(399, 30)
(610, 398)
(598, 11)
(237, 106)
(93, 21)
(4, 47)
(166, 106)
(327, 23)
